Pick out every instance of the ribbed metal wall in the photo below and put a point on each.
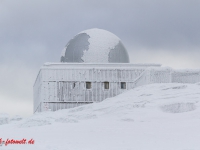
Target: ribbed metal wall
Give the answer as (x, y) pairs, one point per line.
(57, 85)
(54, 87)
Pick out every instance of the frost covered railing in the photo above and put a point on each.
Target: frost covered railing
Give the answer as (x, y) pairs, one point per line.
(153, 75)
(159, 75)
(186, 76)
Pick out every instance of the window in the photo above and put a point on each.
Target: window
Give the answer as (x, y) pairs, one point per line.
(74, 85)
(88, 85)
(123, 85)
(106, 85)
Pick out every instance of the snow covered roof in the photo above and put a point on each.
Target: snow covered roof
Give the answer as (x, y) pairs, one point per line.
(100, 65)
(95, 46)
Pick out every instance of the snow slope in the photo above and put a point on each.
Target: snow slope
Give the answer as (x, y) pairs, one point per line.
(151, 117)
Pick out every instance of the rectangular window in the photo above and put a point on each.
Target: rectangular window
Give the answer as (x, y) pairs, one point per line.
(74, 85)
(123, 85)
(106, 85)
(88, 85)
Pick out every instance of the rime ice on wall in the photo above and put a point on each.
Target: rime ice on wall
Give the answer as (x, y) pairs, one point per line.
(186, 76)
(95, 46)
(63, 85)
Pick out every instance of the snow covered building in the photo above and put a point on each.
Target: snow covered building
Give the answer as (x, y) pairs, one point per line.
(95, 66)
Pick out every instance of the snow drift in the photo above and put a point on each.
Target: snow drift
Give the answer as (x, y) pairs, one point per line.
(159, 98)
(157, 116)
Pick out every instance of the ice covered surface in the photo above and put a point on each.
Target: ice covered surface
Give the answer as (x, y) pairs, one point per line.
(151, 117)
(101, 42)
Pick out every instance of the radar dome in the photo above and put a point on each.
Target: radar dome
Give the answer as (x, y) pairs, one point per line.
(95, 46)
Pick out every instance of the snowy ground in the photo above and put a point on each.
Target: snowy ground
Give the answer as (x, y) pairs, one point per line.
(152, 117)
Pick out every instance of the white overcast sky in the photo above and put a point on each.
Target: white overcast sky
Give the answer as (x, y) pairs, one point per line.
(35, 32)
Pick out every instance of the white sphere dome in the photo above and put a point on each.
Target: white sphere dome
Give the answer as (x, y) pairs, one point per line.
(95, 46)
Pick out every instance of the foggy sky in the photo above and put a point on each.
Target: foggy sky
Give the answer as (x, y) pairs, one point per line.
(35, 32)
